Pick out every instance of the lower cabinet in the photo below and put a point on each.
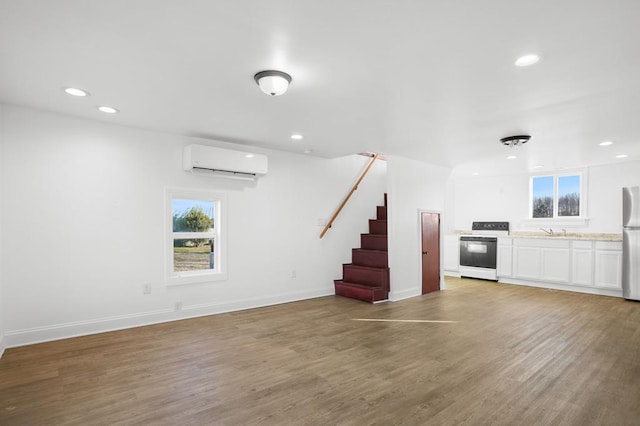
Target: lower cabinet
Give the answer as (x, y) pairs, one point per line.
(505, 257)
(579, 265)
(542, 259)
(608, 270)
(582, 263)
(451, 261)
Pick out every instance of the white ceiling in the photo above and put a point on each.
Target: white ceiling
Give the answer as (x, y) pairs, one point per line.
(432, 80)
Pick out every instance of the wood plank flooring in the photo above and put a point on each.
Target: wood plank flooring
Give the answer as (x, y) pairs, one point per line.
(513, 356)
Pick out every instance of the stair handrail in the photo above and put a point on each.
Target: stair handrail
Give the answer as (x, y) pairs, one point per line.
(344, 202)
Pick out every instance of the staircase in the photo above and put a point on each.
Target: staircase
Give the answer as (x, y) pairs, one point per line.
(367, 276)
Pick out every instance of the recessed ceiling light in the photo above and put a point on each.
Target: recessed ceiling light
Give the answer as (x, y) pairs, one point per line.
(296, 137)
(538, 166)
(249, 155)
(475, 174)
(606, 143)
(511, 157)
(108, 109)
(622, 156)
(73, 91)
(526, 60)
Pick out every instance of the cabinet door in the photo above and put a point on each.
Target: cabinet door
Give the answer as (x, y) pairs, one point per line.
(556, 265)
(451, 253)
(526, 262)
(582, 260)
(505, 260)
(608, 269)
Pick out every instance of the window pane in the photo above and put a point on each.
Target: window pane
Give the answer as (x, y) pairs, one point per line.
(192, 215)
(193, 255)
(542, 196)
(569, 195)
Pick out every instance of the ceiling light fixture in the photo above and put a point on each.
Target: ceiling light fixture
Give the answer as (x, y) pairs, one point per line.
(107, 109)
(527, 60)
(307, 151)
(512, 141)
(273, 83)
(73, 91)
(622, 156)
(606, 143)
(511, 157)
(297, 137)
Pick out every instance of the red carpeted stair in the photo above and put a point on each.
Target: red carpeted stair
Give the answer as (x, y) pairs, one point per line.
(367, 276)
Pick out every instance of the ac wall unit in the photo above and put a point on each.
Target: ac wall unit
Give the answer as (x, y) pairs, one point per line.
(224, 162)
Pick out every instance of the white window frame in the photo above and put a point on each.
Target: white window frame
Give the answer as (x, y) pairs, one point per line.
(218, 235)
(556, 220)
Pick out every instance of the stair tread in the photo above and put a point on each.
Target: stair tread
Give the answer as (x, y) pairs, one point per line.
(373, 268)
(370, 250)
(358, 285)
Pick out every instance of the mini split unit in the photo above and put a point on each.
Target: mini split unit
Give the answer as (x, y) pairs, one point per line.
(220, 162)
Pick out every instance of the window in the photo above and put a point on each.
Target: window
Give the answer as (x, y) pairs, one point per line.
(556, 196)
(194, 237)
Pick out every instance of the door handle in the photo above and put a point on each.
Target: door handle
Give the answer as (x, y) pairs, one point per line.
(425, 252)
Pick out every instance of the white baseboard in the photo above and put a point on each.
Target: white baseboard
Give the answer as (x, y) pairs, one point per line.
(101, 325)
(395, 296)
(2, 348)
(563, 287)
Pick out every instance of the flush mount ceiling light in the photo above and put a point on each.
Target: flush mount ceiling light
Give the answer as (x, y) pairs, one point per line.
(527, 60)
(273, 83)
(512, 141)
(606, 143)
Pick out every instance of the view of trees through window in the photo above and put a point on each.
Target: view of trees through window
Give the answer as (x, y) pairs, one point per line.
(555, 196)
(197, 217)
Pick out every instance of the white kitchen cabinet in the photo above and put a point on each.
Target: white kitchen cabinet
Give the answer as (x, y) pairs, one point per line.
(556, 264)
(608, 265)
(505, 257)
(451, 260)
(582, 263)
(587, 266)
(526, 262)
(542, 260)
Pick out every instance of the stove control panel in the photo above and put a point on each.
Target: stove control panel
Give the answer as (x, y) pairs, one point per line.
(490, 226)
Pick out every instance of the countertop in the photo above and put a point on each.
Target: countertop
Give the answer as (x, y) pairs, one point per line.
(558, 235)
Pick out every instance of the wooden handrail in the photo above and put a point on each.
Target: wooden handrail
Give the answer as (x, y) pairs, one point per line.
(344, 202)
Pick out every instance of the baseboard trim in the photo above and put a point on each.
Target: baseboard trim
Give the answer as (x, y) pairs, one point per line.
(563, 287)
(2, 348)
(395, 296)
(102, 325)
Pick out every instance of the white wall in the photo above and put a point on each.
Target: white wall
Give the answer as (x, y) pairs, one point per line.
(506, 198)
(83, 227)
(2, 344)
(413, 186)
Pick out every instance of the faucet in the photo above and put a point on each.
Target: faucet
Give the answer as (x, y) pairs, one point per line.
(549, 232)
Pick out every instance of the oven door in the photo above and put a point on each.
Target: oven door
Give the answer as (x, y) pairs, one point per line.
(479, 252)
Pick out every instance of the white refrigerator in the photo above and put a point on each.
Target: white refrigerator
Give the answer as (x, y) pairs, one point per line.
(631, 243)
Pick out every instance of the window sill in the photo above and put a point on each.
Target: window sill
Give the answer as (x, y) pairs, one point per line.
(577, 222)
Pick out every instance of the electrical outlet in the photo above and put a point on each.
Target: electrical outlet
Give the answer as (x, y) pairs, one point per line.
(178, 306)
(146, 288)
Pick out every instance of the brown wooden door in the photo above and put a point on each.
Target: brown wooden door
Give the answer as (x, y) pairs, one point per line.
(430, 252)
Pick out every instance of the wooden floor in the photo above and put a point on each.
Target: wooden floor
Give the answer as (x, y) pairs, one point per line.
(513, 356)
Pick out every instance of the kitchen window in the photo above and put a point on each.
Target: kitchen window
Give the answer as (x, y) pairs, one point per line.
(195, 237)
(556, 196)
